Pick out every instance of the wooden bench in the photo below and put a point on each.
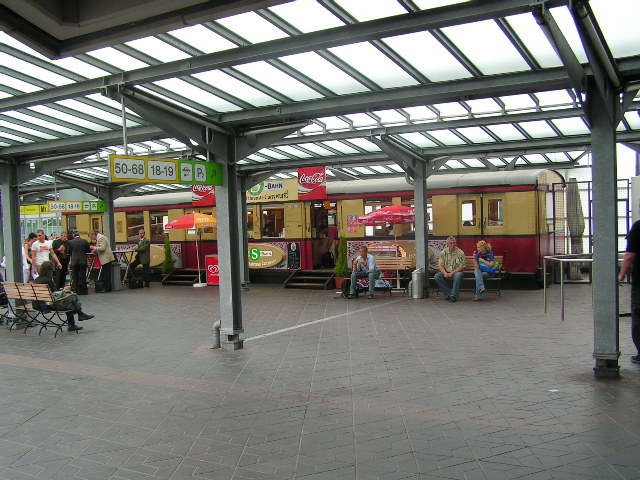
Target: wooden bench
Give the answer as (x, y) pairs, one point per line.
(395, 268)
(391, 268)
(24, 295)
(469, 281)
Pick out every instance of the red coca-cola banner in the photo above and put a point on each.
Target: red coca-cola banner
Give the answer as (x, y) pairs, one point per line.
(203, 195)
(312, 183)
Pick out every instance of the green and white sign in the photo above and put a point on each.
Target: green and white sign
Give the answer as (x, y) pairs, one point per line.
(127, 168)
(80, 206)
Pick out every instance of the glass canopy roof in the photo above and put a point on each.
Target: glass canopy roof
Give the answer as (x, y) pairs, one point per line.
(487, 93)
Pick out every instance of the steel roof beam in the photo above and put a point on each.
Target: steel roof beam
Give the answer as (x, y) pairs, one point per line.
(364, 31)
(507, 84)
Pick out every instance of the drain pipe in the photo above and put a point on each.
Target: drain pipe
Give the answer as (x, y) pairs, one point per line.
(216, 335)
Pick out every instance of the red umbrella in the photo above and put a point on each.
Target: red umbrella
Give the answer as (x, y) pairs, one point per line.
(393, 214)
(189, 221)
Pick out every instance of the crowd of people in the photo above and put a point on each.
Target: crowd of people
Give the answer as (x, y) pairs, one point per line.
(48, 260)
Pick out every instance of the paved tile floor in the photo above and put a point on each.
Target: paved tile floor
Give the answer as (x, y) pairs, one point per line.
(390, 388)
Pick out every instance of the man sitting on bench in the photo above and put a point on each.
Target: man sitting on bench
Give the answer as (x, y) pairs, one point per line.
(451, 263)
(364, 267)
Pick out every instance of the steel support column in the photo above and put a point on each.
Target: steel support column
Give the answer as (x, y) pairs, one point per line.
(109, 230)
(228, 240)
(605, 258)
(243, 251)
(422, 219)
(10, 203)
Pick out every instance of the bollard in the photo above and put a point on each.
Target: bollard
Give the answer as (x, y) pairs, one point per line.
(216, 335)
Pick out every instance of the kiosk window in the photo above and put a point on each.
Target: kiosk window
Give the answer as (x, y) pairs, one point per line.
(468, 213)
(272, 221)
(158, 221)
(135, 223)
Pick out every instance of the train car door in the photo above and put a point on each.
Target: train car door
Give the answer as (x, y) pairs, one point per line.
(470, 215)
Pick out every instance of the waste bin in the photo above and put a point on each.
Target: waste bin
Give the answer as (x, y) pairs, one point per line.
(417, 283)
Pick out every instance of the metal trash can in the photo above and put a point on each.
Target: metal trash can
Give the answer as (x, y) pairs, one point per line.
(417, 283)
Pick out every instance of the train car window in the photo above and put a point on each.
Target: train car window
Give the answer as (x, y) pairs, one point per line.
(158, 220)
(381, 230)
(72, 223)
(135, 223)
(494, 215)
(250, 222)
(207, 212)
(468, 213)
(272, 221)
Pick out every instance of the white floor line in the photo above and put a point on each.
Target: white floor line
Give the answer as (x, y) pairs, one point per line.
(373, 305)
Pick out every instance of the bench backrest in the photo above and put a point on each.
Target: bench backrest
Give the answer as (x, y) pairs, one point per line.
(394, 263)
(27, 291)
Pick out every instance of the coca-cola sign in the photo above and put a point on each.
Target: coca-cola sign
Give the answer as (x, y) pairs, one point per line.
(312, 183)
(203, 195)
(202, 190)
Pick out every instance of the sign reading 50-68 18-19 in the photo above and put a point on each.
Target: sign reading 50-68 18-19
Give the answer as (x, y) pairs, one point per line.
(126, 168)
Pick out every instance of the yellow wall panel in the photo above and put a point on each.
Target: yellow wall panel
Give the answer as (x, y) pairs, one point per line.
(176, 235)
(445, 215)
(120, 219)
(520, 213)
(352, 208)
(83, 224)
(294, 220)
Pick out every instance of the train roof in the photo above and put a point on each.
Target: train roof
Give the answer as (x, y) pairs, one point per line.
(446, 181)
(435, 182)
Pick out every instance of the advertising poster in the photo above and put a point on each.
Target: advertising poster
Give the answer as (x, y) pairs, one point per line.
(352, 223)
(312, 183)
(203, 195)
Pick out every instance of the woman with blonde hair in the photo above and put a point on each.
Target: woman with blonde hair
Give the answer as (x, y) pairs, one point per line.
(485, 267)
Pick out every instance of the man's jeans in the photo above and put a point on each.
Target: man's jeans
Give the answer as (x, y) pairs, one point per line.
(480, 278)
(373, 276)
(444, 287)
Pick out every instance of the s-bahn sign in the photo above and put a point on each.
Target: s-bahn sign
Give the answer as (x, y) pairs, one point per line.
(127, 168)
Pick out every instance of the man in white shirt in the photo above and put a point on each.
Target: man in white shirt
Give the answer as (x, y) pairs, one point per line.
(41, 251)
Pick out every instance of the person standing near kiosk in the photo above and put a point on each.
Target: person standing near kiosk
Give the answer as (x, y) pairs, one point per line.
(105, 254)
(143, 257)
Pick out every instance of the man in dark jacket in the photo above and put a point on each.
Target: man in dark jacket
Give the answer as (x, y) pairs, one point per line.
(78, 250)
(61, 247)
(143, 257)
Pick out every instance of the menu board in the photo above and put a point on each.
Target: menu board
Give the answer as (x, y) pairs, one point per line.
(293, 256)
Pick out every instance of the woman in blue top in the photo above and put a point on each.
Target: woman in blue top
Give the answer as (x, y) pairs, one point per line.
(485, 267)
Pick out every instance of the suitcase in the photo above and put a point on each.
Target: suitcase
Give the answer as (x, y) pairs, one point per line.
(136, 283)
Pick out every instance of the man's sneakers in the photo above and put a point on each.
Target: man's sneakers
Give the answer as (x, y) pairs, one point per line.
(369, 296)
(635, 359)
(482, 290)
(73, 328)
(476, 299)
(452, 298)
(351, 296)
(83, 316)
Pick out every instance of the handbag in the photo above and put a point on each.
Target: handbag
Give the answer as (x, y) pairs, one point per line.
(64, 300)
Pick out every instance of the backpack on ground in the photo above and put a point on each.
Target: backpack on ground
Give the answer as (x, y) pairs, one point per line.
(346, 286)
